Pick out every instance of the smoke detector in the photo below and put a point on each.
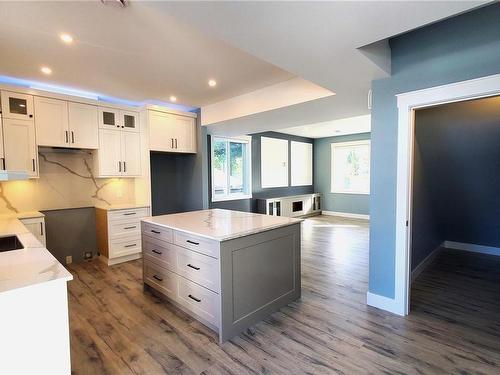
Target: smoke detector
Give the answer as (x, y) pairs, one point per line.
(121, 3)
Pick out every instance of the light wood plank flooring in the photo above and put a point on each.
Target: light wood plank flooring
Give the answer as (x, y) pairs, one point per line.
(116, 328)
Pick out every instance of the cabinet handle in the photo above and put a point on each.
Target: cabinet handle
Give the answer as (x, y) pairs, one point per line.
(67, 140)
(192, 242)
(193, 267)
(158, 278)
(175, 142)
(157, 252)
(3, 163)
(124, 166)
(131, 245)
(33, 160)
(72, 136)
(119, 166)
(30, 116)
(130, 227)
(41, 229)
(194, 298)
(172, 141)
(155, 231)
(129, 213)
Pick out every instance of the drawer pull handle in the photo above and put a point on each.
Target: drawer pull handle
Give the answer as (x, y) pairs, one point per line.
(130, 227)
(131, 245)
(194, 298)
(157, 252)
(194, 267)
(129, 213)
(192, 242)
(155, 231)
(158, 278)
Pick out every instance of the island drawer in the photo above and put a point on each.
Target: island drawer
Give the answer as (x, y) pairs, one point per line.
(128, 213)
(200, 300)
(199, 268)
(195, 243)
(161, 279)
(157, 231)
(159, 252)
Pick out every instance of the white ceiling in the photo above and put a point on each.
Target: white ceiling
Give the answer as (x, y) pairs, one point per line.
(135, 53)
(151, 50)
(351, 125)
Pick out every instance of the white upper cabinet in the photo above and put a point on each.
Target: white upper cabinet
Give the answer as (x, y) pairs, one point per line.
(51, 121)
(60, 123)
(119, 154)
(19, 146)
(171, 133)
(112, 118)
(2, 153)
(274, 162)
(83, 125)
(17, 106)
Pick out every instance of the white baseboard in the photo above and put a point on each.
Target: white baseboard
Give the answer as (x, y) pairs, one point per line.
(346, 214)
(125, 258)
(472, 247)
(383, 303)
(426, 262)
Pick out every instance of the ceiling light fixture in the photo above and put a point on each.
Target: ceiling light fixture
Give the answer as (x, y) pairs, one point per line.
(173, 99)
(46, 70)
(66, 38)
(212, 82)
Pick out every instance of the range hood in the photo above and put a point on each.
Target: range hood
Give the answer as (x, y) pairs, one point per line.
(13, 175)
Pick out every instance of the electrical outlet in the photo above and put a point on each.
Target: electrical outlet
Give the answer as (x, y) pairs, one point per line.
(87, 255)
(69, 259)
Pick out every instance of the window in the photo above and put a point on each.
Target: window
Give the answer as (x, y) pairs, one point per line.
(351, 167)
(301, 163)
(274, 162)
(231, 168)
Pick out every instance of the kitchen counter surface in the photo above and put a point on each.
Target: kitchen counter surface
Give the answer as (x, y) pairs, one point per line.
(29, 266)
(22, 215)
(221, 225)
(115, 207)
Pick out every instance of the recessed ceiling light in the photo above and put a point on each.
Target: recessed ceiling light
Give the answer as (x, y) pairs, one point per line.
(212, 82)
(66, 38)
(46, 70)
(173, 99)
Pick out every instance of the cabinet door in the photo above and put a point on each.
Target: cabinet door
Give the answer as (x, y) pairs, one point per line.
(131, 154)
(2, 153)
(185, 134)
(37, 227)
(161, 131)
(109, 118)
(83, 125)
(17, 106)
(20, 147)
(109, 154)
(129, 121)
(51, 122)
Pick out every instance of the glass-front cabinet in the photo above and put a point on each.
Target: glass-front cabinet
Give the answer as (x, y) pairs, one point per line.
(17, 106)
(111, 118)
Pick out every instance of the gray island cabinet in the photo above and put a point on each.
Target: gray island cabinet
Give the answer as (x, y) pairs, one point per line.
(227, 269)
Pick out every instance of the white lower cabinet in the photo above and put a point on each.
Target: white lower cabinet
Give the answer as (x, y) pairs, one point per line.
(119, 233)
(119, 154)
(36, 225)
(20, 151)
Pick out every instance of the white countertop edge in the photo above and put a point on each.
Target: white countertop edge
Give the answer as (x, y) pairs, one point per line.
(32, 283)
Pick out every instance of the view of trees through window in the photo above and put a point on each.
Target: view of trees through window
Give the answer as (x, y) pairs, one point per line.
(351, 167)
(228, 167)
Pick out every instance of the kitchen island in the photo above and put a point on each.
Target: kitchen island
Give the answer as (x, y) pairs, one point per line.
(228, 269)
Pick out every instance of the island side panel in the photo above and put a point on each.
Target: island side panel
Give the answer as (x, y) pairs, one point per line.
(260, 273)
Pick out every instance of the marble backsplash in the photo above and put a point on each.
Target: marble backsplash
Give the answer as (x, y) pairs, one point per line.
(66, 180)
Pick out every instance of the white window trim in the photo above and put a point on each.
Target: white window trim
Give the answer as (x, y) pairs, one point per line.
(341, 145)
(234, 197)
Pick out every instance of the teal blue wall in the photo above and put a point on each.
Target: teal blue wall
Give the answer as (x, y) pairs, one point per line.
(350, 203)
(457, 49)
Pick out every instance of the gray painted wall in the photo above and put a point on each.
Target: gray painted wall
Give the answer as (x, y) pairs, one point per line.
(178, 181)
(350, 203)
(250, 205)
(70, 232)
(457, 179)
(460, 48)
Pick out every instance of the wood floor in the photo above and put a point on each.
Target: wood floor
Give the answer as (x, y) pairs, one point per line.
(116, 328)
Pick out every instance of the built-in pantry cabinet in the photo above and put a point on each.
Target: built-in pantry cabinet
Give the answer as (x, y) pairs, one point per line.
(60, 123)
(169, 132)
(119, 154)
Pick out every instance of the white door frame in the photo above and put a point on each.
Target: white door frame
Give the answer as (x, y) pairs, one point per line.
(407, 104)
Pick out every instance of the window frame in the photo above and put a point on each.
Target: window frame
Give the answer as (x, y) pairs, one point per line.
(338, 145)
(248, 160)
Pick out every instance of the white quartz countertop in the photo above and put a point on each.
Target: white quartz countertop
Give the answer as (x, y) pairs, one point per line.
(124, 206)
(221, 225)
(29, 266)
